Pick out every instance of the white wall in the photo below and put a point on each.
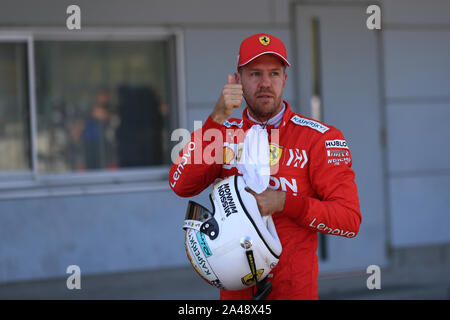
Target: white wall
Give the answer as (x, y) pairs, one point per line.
(40, 237)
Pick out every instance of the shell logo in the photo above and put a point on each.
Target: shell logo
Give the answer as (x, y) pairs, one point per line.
(228, 155)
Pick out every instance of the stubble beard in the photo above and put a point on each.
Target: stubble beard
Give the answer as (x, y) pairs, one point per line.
(265, 112)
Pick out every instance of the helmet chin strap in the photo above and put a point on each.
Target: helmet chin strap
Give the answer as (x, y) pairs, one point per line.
(263, 287)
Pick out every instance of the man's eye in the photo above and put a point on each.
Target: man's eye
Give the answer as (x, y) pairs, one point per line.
(254, 74)
(275, 73)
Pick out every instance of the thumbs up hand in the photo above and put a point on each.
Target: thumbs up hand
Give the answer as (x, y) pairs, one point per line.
(230, 98)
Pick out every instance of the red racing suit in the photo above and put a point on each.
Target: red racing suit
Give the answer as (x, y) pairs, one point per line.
(311, 162)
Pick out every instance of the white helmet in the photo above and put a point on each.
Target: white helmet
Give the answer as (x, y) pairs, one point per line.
(233, 245)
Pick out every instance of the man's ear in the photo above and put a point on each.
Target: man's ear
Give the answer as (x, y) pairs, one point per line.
(285, 78)
(237, 77)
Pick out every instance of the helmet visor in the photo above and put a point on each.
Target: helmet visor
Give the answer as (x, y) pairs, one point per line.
(197, 212)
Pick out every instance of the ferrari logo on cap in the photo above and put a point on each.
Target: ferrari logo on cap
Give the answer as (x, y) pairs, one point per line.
(264, 40)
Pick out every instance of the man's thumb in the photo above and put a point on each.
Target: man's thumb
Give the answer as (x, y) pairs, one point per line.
(231, 79)
(250, 191)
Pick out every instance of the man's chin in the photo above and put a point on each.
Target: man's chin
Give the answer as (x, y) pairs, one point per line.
(263, 110)
(262, 115)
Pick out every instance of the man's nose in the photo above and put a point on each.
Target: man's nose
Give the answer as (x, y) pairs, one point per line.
(265, 81)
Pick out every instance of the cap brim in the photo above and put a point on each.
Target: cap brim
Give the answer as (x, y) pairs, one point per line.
(266, 52)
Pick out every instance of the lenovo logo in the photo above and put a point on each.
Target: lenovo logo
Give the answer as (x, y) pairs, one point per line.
(184, 160)
(325, 229)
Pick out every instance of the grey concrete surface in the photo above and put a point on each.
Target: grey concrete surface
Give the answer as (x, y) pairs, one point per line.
(414, 273)
(168, 284)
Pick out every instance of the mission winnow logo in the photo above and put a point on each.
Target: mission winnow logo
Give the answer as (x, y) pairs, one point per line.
(227, 199)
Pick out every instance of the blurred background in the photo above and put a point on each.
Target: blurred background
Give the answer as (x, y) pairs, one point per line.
(86, 118)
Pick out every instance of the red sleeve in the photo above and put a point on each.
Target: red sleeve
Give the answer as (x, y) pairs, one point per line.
(336, 210)
(192, 173)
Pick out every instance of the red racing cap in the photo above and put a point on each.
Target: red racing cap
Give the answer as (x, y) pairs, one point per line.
(259, 44)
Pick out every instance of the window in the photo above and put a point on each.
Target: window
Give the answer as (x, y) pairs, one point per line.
(99, 106)
(14, 107)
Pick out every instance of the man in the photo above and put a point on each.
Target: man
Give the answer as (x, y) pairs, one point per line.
(312, 186)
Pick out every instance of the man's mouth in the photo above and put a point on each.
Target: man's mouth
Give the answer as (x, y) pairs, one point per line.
(264, 96)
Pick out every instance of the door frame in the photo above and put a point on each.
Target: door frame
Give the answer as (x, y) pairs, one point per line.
(383, 120)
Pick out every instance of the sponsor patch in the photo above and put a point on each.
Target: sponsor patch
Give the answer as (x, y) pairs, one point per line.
(283, 184)
(184, 160)
(275, 153)
(232, 154)
(228, 155)
(233, 123)
(248, 278)
(201, 261)
(189, 246)
(203, 244)
(309, 123)
(338, 161)
(297, 158)
(226, 199)
(338, 156)
(240, 148)
(322, 227)
(336, 144)
(337, 153)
